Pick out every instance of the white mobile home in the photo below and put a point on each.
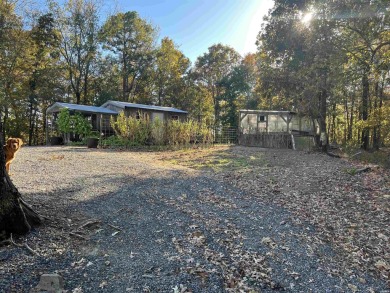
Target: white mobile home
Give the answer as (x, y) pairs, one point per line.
(275, 129)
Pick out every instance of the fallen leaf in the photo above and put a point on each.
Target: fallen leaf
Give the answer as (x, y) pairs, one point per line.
(352, 287)
(382, 265)
(103, 284)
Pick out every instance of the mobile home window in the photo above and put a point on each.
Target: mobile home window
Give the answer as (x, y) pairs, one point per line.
(175, 117)
(261, 118)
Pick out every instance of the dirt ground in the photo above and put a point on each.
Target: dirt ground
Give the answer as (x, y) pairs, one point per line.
(221, 219)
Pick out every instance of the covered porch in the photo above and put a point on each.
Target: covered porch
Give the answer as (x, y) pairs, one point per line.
(99, 118)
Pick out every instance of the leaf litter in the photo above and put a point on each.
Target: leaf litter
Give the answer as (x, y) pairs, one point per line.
(247, 220)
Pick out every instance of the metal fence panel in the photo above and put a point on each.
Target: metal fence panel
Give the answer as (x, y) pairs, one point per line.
(225, 135)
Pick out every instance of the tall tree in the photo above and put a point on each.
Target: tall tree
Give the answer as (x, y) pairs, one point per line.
(238, 90)
(296, 57)
(251, 72)
(363, 36)
(78, 26)
(212, 66)
(313, 53)
(131, 39)
(14, 43)
(197, 99)
(106, 77)
(171, 66)
(44, 61)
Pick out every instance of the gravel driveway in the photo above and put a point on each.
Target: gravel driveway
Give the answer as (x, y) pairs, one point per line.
(119, 221)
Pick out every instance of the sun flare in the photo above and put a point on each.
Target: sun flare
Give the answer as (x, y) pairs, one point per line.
(306, 19)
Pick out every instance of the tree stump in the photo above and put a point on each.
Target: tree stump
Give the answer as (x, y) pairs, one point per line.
(16, 216)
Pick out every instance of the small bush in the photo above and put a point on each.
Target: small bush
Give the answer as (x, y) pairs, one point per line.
(115, 141)
(351, 171)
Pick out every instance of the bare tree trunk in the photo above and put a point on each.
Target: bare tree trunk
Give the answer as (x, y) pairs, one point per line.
(86, 84)
(131, 89)
(3, 122)
(333, 132)
(16, 216)
(78, 97)
(350, 134)
(377, 128)
(365, 132)
(215, 94)
(32, 115)
(322, 120)
(346, 117)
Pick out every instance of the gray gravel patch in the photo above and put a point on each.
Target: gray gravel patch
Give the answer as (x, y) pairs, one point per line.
(158, 228)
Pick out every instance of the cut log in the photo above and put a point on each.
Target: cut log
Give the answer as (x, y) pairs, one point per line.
(333, 155)
(16, 216)
(362, 170)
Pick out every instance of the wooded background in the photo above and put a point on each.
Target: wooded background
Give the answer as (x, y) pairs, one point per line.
(334, 67)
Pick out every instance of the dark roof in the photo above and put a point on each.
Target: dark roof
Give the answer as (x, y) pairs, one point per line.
(56, 107)
(266, 112)
(124, 105)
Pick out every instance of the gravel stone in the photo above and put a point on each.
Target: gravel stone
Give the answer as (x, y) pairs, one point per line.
(157, 227)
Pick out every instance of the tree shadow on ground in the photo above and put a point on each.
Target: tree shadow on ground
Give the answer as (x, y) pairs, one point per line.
(158, 233)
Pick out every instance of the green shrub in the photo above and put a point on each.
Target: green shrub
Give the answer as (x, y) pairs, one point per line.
(157, 132)
(76, 124)
(205, 135)
(137, 131)
(64, 121)
(173, 133)
(115, 141)
(81, 125)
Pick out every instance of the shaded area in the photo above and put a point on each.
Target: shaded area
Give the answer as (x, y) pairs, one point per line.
(154, 228)
(16, 216)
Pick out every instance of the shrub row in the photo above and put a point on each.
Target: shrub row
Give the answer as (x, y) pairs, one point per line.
(143, 131)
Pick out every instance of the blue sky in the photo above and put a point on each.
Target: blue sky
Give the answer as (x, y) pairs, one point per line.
(195, 25)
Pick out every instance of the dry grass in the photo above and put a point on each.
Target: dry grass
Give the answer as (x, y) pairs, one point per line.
(218, 158)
